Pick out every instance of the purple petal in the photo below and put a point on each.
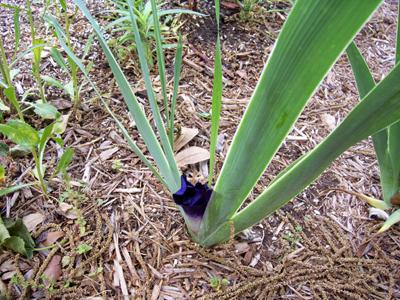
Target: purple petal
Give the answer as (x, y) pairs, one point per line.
(193, 199)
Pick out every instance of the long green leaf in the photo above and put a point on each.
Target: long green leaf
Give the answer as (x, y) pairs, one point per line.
(216, 98)
(160, 60)
(394, 136)
(153, 101)
(312, 39)
(379, 109)
(365, 83)
(177, 74)
(393, 219)
(142, 123)
(11, 189)
(17, 30)
(78, 62)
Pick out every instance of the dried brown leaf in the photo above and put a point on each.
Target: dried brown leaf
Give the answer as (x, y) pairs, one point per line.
(53, 270)
(52, 237)
(33, 220)
(105, 155)
(187, 134)
(191, 155)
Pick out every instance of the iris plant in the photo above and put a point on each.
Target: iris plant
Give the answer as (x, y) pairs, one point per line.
(312, 39)
(386, 142)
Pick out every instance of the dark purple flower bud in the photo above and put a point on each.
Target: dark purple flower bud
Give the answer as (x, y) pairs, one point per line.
(193, 199)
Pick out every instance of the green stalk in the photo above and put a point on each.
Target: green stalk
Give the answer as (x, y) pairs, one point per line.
(5, 71)
(39, 171)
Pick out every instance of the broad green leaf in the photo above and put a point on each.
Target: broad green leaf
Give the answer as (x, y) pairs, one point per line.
(313, 37)
(45, 110)
(17, 244)
(379, 109)
(18, 229)
(171, 177)
(60, 125)
(12, 97)
(65, 161)
(4, 235)
(365, 83)
(4, 149)
(394, 134)
(20, 133)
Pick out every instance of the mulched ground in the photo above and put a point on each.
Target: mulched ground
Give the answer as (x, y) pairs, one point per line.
(321, 245)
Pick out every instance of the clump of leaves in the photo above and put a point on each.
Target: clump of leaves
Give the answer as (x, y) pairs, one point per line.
(125, 44)
(34, 141)
(246, 8)
(68, 65)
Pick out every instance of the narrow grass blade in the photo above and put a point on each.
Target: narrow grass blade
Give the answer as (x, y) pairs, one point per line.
(177, 74)
(23, 54)
(160, 60)
(133, 106)
(365, 83)
(176, 11)
(312, 39)
(393, 219)
(153, 101)
(11, 189)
